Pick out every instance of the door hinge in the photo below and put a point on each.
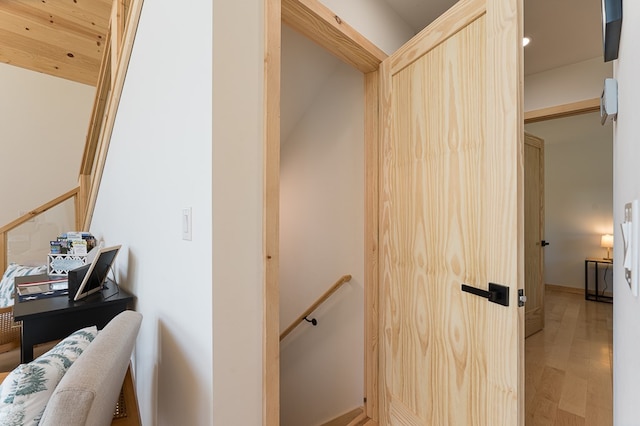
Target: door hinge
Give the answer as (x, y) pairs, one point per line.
(522, 299)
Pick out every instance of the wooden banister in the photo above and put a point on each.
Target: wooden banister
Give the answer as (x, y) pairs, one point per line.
(4, 231)
(38, 210)
(314, 306)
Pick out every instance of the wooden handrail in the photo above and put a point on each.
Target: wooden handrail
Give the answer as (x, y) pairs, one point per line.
(4, 231)
(38, 210)
(314, 306)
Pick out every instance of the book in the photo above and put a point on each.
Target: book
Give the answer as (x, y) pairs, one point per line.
(39, 279)
(25, 297)
(33, 287)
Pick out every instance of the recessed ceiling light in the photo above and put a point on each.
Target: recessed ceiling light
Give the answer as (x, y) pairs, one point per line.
(525, 41)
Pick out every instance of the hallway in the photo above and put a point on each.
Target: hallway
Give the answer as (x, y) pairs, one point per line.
(569, 364)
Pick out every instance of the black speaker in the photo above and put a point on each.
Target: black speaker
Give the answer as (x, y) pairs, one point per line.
(75, 279)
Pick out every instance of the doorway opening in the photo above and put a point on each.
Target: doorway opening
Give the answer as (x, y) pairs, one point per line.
(569, 363)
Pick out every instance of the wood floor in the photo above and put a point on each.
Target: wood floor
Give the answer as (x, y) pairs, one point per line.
(569, 363)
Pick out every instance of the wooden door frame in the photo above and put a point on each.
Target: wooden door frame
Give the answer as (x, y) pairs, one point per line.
(536, 142)
(319, 24)
(564, 110)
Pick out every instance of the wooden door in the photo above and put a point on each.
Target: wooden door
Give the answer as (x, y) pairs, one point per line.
(533, 233)
(451, 212)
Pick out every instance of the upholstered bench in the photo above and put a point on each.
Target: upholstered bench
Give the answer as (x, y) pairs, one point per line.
(78, 382)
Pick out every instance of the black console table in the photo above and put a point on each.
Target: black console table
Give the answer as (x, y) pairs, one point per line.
(595, 295)
(54, 318)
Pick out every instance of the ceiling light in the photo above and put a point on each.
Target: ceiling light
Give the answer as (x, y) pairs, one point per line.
(525, 41)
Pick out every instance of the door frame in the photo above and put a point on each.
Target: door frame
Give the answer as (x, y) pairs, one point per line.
(538, 143)
(319, 24)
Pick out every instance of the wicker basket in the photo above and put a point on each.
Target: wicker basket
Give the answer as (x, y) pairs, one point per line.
(9, 330)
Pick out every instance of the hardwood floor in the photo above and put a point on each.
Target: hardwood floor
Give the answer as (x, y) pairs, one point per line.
(568, 365)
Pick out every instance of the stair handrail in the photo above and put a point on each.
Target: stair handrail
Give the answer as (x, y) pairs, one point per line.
(4, 230)
(314, 306)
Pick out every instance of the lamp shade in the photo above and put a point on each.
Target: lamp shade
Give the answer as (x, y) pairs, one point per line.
(606, 241)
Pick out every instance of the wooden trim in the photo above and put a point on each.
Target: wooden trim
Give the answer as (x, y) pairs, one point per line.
(318, 23)
(371, 303)
(103, 88)
(346, 418)
(564, 289)
(112, 108)
(130, 403)
(458, 16)
(565, 110)
(117, 26)
(314, 306)
(360, 420)
(271, 215)
(38, 210)
(4, 261)
(4, 231)
(84, 185)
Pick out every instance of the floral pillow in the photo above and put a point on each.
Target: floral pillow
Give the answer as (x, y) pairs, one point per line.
(7, 284)
(24, 393)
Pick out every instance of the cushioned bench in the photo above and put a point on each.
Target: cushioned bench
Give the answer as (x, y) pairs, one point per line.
(88, 391)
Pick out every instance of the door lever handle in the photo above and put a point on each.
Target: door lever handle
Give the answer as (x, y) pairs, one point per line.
(544, 243)
(497, 293)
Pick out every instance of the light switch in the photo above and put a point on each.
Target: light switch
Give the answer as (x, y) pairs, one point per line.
(186, 224)
(630, 233)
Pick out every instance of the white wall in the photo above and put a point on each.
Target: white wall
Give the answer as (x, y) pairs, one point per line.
(321, 239)
(626, 309)
(238, 297)
(44, 122)
(160, 161)
(563, 85)
(578, 192)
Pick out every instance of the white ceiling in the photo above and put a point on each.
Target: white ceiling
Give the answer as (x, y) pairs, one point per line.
(563, 32)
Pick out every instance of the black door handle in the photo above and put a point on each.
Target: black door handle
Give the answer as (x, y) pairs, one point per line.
(544, 243)
(497, 293)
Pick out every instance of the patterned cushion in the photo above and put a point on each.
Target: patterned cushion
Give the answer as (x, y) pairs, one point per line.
(24, 393)
(7, 284)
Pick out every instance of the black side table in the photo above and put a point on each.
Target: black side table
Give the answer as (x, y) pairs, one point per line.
(53, 318)
(595, 295)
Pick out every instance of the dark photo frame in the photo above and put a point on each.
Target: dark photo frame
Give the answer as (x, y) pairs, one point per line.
(611, 28)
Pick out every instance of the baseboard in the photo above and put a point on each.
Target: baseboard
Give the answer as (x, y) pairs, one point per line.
(346, 418)
(572, 290)
(564, 289)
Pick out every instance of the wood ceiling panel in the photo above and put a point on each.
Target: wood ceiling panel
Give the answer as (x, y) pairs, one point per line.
(64, 38)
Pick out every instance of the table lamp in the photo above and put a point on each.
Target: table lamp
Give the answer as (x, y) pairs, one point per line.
(607, 242)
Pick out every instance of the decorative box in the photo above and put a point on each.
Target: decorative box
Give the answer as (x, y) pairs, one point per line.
(61, 264)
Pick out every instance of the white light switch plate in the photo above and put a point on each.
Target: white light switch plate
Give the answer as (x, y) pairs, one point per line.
(186, 224)
(630, 237)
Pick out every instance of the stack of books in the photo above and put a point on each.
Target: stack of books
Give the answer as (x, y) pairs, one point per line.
(33, 287)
